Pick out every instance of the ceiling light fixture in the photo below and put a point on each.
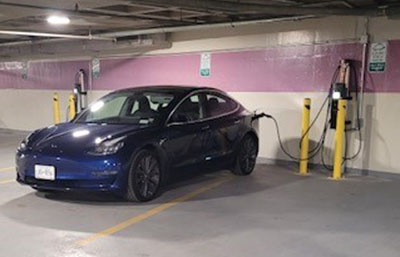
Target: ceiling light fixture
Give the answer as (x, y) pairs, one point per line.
(58, 20)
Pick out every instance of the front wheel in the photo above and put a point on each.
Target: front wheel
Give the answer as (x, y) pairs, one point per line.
(144, 177)
(246, 156)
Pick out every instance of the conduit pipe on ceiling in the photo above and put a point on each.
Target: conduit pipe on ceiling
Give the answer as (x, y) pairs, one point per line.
(127, 33)
(237, 7)
(201, 27)
(53, 35)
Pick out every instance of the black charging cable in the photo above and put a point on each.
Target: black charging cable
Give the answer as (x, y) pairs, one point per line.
(284, 150)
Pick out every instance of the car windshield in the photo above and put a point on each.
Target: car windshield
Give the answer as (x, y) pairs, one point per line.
(138, 108)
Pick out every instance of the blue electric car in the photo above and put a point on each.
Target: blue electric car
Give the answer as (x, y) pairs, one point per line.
(129, 141)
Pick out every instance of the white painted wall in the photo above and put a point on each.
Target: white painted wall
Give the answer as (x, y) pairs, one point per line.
(380, 140)
(30, 109)
(24, 109)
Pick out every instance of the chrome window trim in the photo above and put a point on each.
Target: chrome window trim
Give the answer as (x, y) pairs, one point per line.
(204, 119)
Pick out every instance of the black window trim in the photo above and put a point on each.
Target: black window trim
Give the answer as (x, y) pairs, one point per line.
(215, 92)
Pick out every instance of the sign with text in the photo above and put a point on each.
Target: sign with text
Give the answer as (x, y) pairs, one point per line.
(377, 57)
(95, 68)
(205, 65)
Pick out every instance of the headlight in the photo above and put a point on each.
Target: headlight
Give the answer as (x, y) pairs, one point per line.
(107, 147)
(24, 144)
(22, 147)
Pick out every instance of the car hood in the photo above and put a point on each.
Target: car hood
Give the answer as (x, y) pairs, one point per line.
(76, 138)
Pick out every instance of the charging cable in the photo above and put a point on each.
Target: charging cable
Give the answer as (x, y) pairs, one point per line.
(264, 115)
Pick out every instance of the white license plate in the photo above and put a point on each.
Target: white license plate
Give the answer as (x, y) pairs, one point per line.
(45, 172)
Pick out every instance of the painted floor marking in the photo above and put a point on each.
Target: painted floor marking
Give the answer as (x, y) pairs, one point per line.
(6, 181)
(7, 169)
(151, 212)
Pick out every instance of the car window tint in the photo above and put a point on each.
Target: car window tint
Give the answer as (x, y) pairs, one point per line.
(136, 105)
(189, 110)
(140, 107)
(134, 108)
(217, 104)
(111, 108)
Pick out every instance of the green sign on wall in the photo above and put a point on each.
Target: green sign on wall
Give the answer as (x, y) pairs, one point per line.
(205, 65)
(377, 57)
(95, 68)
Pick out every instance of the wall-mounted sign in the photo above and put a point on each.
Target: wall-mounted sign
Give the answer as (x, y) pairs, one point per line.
(95, 68)
(13, 65)
(205, 65)
(16, 66)
(377, 57)
(24, 70)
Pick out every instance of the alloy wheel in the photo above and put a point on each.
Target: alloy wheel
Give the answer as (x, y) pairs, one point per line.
(248, 155)
(147, 176)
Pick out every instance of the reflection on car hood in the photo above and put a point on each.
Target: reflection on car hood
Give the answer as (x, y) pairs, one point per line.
(76, 137)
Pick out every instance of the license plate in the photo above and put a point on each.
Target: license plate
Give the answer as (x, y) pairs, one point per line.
(45, 172)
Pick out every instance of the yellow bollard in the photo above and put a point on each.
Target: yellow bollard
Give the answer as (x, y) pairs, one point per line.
(56, 108)
(339, 139)
(71, 103)
(304, 137)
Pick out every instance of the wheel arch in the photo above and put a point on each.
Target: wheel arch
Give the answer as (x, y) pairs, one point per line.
(162, 156)
(254, 135)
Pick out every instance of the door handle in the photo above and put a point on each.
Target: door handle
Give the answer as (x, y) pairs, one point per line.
(207, 127)
(237, 121)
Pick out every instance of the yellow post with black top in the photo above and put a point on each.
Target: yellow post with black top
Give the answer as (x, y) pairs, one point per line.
(56, 108)
(304, 144)
(72, 109)
(339, 139)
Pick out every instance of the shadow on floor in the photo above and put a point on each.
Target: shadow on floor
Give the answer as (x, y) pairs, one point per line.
(68, 211)
(181, 182)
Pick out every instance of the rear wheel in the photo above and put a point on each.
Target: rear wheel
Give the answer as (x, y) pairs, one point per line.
(246, 156)
(144, 177)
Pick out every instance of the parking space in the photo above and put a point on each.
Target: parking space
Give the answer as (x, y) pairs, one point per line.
(170, 128)
(272, 212)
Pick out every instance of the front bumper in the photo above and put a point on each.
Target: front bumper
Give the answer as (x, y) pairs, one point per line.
(75, 173)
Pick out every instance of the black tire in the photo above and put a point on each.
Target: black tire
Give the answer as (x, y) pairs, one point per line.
(246, 156)
(144, 177)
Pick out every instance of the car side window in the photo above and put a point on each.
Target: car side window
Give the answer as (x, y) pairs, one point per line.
(189, 110)
(217, 104)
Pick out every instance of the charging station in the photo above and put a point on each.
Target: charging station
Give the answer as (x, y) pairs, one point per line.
(343, 89)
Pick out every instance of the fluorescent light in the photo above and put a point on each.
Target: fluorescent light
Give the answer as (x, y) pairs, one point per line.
(58, 20)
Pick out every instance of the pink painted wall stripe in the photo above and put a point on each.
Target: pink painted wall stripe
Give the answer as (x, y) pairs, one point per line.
(289, 69)
(43, 75)
(284, 69)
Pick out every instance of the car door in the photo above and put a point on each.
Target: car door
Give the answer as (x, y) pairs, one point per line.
(224, 123)
(186, 133)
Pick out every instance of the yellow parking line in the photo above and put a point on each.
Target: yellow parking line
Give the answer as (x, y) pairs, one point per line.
(6, 181)
(7, 169)
(151, 212)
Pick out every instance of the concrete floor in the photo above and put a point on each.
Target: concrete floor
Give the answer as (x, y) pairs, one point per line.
(270, 213)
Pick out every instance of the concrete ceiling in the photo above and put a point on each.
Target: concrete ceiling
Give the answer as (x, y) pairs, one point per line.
(98, 16)
(105, 17)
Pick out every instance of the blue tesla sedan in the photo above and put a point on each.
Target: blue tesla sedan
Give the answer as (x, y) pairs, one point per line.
(129, 141)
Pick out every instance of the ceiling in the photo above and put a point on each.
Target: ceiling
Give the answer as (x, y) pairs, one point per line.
(100, 16)
(119, 21)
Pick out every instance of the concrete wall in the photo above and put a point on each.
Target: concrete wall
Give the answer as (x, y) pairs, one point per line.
(270, 66)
